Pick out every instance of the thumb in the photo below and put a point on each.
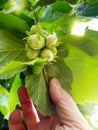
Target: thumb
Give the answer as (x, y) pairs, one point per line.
(67, 110)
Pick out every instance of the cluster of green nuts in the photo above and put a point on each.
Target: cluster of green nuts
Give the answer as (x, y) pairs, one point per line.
(41, 44)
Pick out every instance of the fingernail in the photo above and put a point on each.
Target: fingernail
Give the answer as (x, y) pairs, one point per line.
(57, 87)
(55, 83)
(23, 94)
(55, 90)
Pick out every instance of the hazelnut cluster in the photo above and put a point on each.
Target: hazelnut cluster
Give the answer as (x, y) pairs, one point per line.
(39, 45)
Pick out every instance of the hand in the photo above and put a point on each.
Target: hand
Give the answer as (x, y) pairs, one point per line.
(68, 116)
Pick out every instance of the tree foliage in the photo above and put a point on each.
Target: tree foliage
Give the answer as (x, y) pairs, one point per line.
(75, 64)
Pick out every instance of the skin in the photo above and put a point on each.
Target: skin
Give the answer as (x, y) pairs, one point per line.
(68, 116)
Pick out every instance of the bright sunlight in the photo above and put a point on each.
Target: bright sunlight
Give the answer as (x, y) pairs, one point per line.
(94, 117)
(79, 27)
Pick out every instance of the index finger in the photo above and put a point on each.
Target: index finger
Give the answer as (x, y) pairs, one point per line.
(28, 108)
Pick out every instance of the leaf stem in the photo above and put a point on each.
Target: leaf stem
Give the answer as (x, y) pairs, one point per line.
(45, 76)
(35, 16)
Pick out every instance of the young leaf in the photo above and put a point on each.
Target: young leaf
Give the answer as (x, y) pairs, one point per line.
(15, 67)
(11, 69)
(37, 67)
(13, 98)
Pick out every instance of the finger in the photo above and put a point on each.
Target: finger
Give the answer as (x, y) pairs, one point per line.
(28, 108)
(15, 121)
(66, 108)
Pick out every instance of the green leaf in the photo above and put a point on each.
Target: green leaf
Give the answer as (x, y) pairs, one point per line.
(87, 44)
(62, 50)
(13, 98)
(92, 35)
(88, 9)
(37, 67)
(15, 67)
(11, 69)
(53, 12)
(63, 25)
(60, 71)
(11, 48)
(13, 23)
(49, 16)
(38, 91)
(4, 110)
(61, 6)
(4, 91)
(84, 68)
